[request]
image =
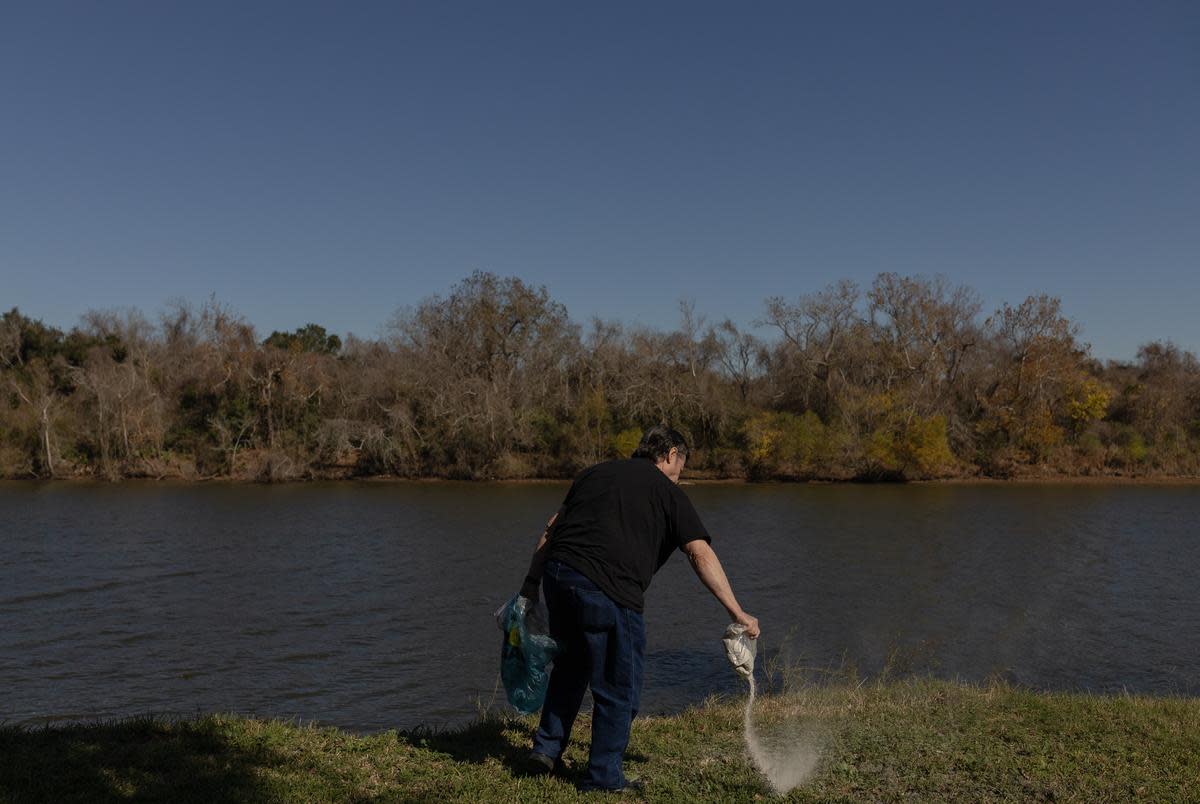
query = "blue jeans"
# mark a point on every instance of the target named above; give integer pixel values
(605, 647)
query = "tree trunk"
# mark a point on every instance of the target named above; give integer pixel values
(46, 438)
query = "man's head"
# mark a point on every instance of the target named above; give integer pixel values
(666, 448)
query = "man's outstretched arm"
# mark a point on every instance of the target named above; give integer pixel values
(712, 574)
(533, 578)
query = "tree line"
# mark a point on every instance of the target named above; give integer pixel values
(904, 379)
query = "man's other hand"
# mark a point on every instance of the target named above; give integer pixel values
(529, 589)
(751, 623)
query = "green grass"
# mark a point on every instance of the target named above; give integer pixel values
(918, 740)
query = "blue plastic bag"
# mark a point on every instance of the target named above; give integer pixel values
(525, 653)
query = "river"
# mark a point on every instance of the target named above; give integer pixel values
(369, 605)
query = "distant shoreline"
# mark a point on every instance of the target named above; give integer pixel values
(1115, 480)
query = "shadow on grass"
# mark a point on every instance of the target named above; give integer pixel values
(491, 737)
(145, 759)
(508, 741)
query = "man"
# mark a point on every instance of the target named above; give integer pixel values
(620, 522)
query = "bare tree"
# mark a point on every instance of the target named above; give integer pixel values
(1035, 358)
(921, 330)
(815, 331)
(740, 355)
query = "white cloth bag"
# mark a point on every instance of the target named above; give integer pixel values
(739, 649)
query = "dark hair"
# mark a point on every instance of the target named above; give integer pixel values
(657, 442)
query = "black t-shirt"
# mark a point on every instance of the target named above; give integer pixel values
(620, 522)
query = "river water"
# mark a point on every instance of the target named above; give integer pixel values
(369, 605)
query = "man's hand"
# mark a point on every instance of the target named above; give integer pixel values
(751, 623)
(533, 580)
(529, 589)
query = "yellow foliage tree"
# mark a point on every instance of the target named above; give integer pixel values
(924, 449)
(784, 443)
(1086, 403)
(626, 441)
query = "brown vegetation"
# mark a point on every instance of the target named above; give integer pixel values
(901, 380)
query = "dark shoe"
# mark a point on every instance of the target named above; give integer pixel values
(539, 764)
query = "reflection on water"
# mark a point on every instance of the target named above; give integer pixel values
(369, 605)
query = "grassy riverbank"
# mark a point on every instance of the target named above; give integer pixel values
(924, 740)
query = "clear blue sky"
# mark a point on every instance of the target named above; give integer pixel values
(332, 162)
